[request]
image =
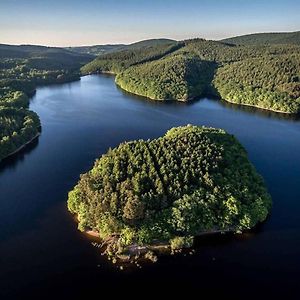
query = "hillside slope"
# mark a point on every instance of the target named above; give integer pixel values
(121, 60)
(105, 49)
(266, 38)
(264, 76)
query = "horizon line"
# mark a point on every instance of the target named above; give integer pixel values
(137, 41)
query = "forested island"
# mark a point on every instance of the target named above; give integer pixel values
(22, 69)
(191, 181)
(261, 70)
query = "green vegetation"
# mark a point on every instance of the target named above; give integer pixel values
(265, 76)
(22, 68)
(105, 49)
(266, 38)
(271, 82)
(119, 61)
(262, 71)
(176, 77)
(191, 180)
(97, 49)
(17, 127)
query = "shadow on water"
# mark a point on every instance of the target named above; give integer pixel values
(42, 251)
(258, 111)
(12, 161)
(219, 239)
(152, 102)
(236, 107)
(138, 98)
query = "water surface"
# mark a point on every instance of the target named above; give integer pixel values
(41, 251)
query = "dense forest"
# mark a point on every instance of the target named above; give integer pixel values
(179, 77)
(266, 38)
(265, 76)
(121, 60)
(109, 48)
(17, 127)
(191, 180)
(267, 82)
(22, 68)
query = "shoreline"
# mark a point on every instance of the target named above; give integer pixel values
(22, 146)
(30, 95)
(194, 98)
(259, 107)
(98, 73)
(92, 233)
(189, 99)
(154, 99)
(136, 252)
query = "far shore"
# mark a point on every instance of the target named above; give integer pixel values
(260, 107)
(190, 99)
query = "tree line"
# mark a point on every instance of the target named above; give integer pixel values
(266, 76)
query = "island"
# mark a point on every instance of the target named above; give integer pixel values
(148, 194)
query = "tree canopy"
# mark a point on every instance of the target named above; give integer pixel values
(191, 180)
(265, 76)
(266, 38)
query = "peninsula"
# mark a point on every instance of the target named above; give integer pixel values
(260, 70)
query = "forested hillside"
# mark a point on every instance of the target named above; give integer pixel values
(22, 68)
(105, 49)
(119, 61)
(191, 180)
(270, 82)
(179, 77)
(97, 49)
(265, 76)
(266, 38)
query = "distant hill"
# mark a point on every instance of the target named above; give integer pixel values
(97, 49)
(42, 57)
(105, 49)
(266, 38)
(140, 52)
(149, 43)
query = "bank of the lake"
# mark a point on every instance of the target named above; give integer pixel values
(213, 92)
(41, 250)
(23, 146)
(259, 107)
(31, 131)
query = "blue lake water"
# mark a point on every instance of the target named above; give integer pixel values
(41, 250)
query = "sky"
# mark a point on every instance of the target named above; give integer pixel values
(92, 22)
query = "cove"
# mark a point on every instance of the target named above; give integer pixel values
(41, 250)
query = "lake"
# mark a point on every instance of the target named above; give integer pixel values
(43, 253)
